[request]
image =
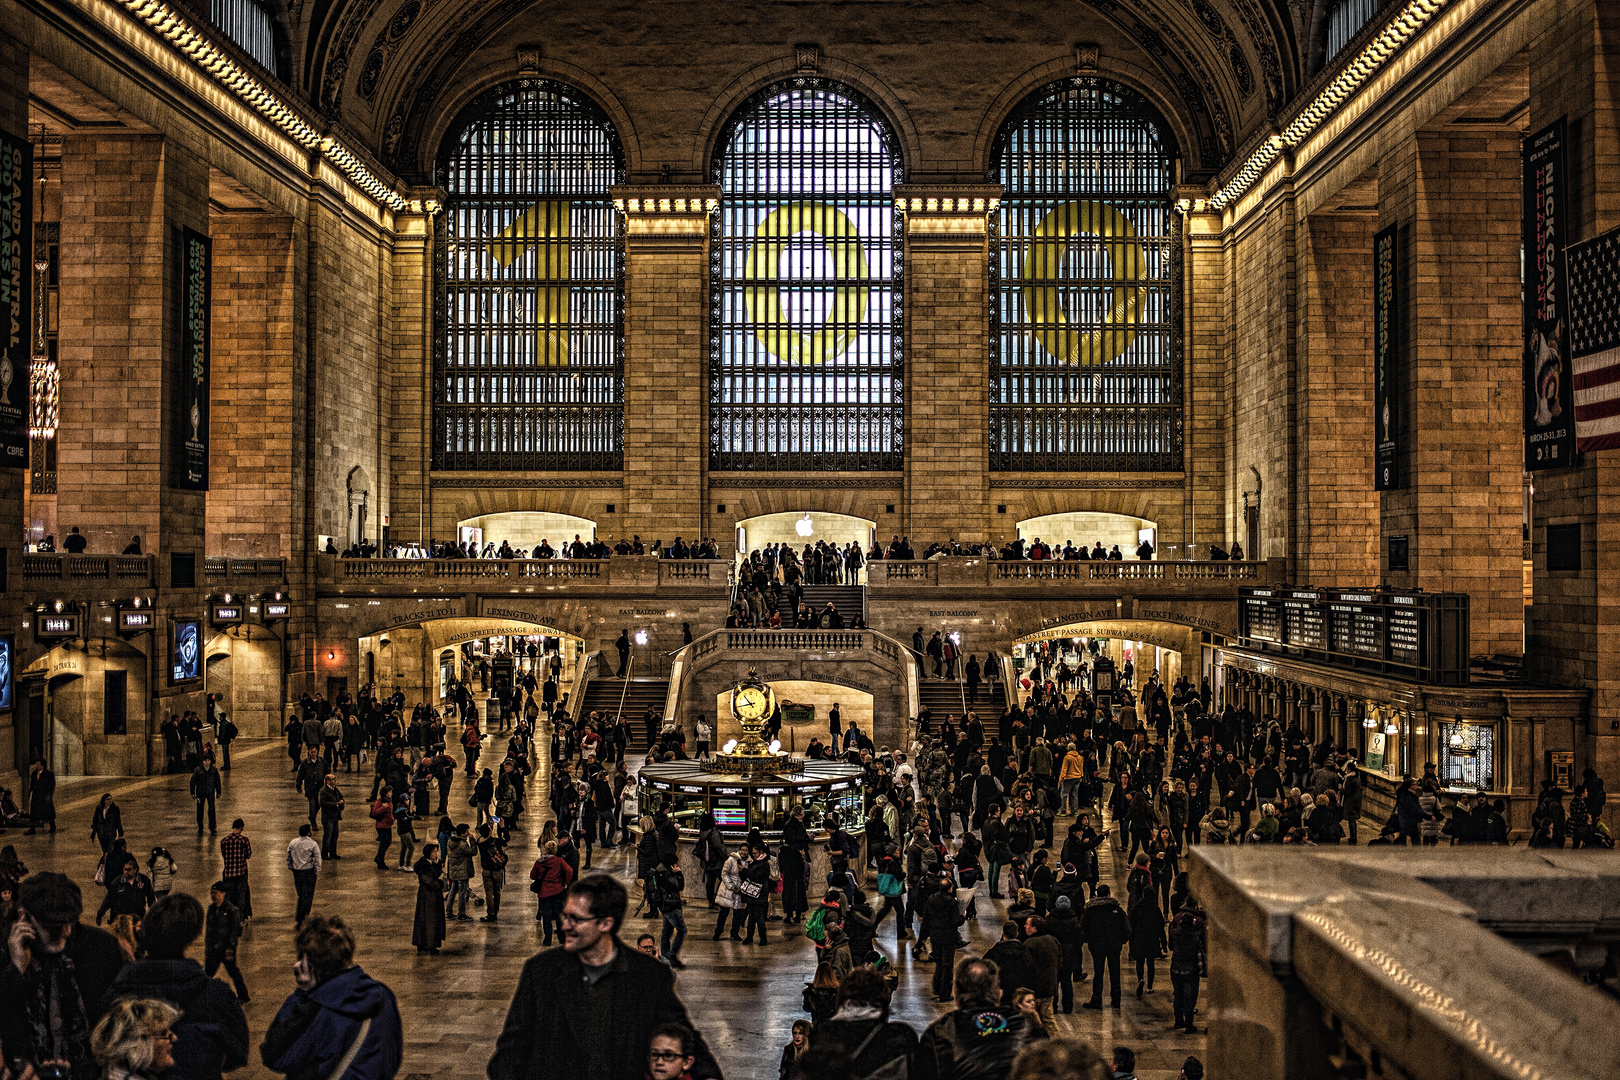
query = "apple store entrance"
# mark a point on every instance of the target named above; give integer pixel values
(801, 527)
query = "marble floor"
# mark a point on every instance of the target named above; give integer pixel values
(743, 999)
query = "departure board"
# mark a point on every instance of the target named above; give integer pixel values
(1423, 636)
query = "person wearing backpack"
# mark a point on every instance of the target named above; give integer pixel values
(891, 884)
(756, 885)
(667, 885)
(710, 852)
(878, 1048)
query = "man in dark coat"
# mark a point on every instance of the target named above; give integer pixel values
(588, 1010)
(978, 1039)
(940, 918)
(1012, 962)
(41, 797)
(55, 974)
(1106, 929)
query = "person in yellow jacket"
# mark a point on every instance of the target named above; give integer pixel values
(1070, 773)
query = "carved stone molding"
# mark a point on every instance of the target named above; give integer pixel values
(1086, 55)
(819, 482)
(1147, 483)
(528, 59)
(477, 482)
(807, 59)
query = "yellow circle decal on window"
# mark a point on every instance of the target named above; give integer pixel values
(1043, 262)
(763, 263)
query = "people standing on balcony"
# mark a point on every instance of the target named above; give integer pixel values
(74, 543)
(133, 547)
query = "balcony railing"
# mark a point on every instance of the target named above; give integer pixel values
(137, 570)
(967, 571)
(622, 570)
(245, 569)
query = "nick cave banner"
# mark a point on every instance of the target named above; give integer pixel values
(191, 384)
(16, 287)
(1549, 390)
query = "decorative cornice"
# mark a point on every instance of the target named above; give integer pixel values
(877, 480)
(1100, 483)
(665, 199)
(1355, 71)
(474, 483)
(169, 24)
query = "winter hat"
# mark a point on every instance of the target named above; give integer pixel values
(1062, 903)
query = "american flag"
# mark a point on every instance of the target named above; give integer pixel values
(1594, 287)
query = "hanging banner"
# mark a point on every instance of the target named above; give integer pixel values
(1594, 340)
(191, 382)
(1386, 320)
(1549, 388)
(16, 290)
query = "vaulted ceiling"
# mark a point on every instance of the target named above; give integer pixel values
(390, 71)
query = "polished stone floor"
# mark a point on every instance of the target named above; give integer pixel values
(744, 999)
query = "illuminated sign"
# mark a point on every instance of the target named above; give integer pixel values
(227, 614)
(277, 609)
(58, 626)
(136, 620)
(5, 672)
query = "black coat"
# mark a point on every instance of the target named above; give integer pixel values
(42, 797)
(1013, 963)
(895, 1041)
(1105, 926)
(428, 930)
(1064, 925)
(211, 1034)
(547, 1023)
(97, 959)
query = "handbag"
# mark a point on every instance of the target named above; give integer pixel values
(101, 871)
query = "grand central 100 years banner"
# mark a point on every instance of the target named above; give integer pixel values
(16, 281)
(1386, 325)
(191, 383)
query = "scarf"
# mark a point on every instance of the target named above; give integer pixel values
(57, 1024)
(853, 1011)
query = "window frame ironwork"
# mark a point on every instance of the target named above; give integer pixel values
(255, 36)
(1023, 435)
(806, 426)
(582, 436)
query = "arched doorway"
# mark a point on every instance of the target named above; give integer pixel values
(242, 669)
(422, 660)
(1090, 527)
(525, 529)
(801, 527)
(1153, 649)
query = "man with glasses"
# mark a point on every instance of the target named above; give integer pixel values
(589, 1010)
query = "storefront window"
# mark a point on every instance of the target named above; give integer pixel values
(1467, 755)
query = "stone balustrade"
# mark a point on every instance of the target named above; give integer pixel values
(133, 571)
(968, 571)
(624, 570)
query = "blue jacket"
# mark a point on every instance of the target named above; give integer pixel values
(314, 1028)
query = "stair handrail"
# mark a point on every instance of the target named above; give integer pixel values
(582, 679)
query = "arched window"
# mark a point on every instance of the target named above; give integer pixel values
(528, 371)
(1085, 341)
(806, 356)
(249, 24)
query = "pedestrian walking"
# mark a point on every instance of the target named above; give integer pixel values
(492, 865)
(304, 861)
(220, 938)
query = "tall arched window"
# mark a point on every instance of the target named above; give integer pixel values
(528, 371)
(1085, 339)
(805, 359)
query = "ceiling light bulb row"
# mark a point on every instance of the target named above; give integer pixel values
(175, 29)
(1354, 74)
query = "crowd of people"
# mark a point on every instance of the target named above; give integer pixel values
(578, 548)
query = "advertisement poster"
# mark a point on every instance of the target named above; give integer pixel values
(1386, 319)
(191, 383)
(5, 673)
(186, 654)
(16, 289)
(1549, 389)
(1375, 751)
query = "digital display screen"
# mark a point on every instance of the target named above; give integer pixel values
(276, 610)
(58, 625)
(227, 613)
(135, 620)
(5, 672)
(187, 650)
(731, 817)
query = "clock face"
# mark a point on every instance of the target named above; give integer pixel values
(750, 703)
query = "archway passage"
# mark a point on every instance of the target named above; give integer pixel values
(243, 672)
(1089, 527)
(1165, 649)
(525, 529)
(421, 660)
(800, 527)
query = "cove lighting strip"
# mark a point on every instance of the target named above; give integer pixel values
(173, 27)
(1400, 30)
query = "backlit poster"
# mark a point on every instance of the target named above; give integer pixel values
(5, 673)
(186, 652)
